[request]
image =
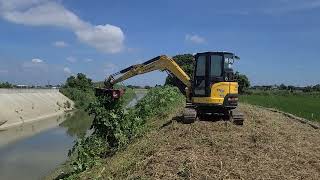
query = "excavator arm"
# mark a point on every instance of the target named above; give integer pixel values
(162, 63)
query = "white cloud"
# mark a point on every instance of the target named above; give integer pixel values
(71, 59)
(60, 44)
(106, 38)
(18, 4)
(36, 60)
(35, 64)
(67, 70)
(194, 38)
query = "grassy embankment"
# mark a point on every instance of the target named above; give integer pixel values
(115, 128)
(266, 147)
(301, 104)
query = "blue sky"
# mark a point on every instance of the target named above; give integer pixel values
(45, 41)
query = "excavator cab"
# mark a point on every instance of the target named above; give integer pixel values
(215, 90)
(212, 68)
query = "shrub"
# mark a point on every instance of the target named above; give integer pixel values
(79, 89)
(243, 82)
(81, 98)
(114, 127)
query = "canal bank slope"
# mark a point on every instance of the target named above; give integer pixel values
(18, 106)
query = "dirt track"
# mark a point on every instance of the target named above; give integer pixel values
(268, 146)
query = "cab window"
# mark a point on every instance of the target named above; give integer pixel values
(201, 66)
(216, 65)
(199, 79)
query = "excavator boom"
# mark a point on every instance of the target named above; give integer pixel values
(162, 63)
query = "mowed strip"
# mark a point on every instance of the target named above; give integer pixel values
(268, 146)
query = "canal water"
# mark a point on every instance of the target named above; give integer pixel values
(32, 151)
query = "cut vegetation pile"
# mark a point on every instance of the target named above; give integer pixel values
(268, 146)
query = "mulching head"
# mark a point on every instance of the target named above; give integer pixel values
(113, 93)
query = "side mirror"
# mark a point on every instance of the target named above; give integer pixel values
(237, 57)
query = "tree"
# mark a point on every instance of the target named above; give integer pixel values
(6, 85)
(283, 87)
(147, 87)
(316, 87)
(307, 89)
(80, 82)
(243, 82)
(80, 89)
(291, 88)
(186, 62)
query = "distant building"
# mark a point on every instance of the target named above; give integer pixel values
(22, 86)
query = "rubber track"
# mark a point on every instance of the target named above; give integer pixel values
(237, 116)
(189, 114)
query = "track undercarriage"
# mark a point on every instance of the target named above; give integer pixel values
(191, 113)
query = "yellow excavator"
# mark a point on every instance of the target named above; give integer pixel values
(212, 90)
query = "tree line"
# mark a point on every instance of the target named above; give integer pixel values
(314, 88)
(6, 85)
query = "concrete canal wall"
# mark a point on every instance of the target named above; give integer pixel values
(18, 106)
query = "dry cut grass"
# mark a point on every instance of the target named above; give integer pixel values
(268, 146)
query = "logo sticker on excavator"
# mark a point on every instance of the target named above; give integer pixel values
(220, 90)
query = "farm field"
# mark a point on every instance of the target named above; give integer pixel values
(300, 104)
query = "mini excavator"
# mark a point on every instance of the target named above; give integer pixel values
(212, 90)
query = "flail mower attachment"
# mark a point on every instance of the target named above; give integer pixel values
(115, 94)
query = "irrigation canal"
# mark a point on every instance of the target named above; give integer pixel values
(33, 150)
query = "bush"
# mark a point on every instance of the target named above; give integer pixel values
(118, 126)
(88, 152)
(81, 98)
(79, 89)
(158, 101)
(114, 127)
(243, 82)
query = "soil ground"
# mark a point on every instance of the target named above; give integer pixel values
(268, 146)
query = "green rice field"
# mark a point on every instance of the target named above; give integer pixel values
(302, 105)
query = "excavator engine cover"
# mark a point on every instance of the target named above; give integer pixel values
(113, 93)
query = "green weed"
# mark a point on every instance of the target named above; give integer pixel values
(114, 127)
